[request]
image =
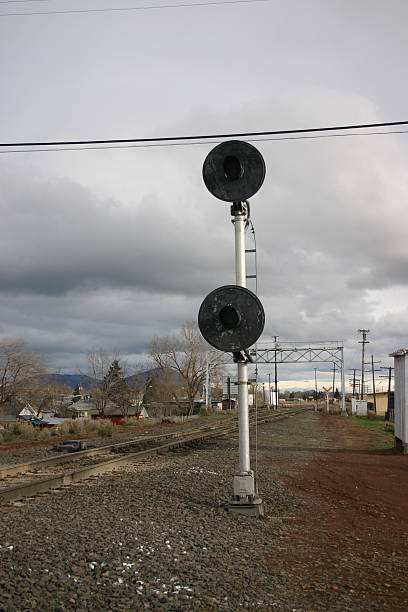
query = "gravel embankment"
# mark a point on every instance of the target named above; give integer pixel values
(153, 535)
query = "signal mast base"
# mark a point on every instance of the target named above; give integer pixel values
(245, 499)
(255, 508)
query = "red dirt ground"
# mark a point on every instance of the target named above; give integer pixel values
(348, 543)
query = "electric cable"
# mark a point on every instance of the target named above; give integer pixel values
(206, 137)
(188, 144)
(119, 9)
(21, 1)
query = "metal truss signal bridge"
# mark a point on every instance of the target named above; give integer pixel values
(328, 351)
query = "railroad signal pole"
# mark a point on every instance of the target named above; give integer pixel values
(363, 342)
(315, 370)
(276, 375)
(239, 214)
(231, 318)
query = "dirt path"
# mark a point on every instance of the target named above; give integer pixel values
(348, 542)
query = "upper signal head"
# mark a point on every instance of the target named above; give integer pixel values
(234, 171)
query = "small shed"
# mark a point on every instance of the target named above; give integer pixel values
(381, 401)
(27, 413)
(229, 404)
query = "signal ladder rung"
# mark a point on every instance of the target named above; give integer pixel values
(250, 276)
(250, 250)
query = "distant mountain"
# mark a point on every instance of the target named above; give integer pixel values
(140, 377)
(85, 381)
(72, 380)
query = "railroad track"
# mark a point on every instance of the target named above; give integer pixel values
(31, 478)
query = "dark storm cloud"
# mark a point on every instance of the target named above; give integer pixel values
(88, 270)
(109, 248)
(59, 237)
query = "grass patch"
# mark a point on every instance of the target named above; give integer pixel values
(383, 431)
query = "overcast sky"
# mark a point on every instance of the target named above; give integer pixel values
(107, 248)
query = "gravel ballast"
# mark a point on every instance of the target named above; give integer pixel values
(156, 535)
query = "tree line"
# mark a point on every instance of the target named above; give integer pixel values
(177, 367)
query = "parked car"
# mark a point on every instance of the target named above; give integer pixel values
(71, 446)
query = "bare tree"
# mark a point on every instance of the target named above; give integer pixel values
(188, 355)
(98, 363)
(163, 387)
(21, 373)
(54, 395)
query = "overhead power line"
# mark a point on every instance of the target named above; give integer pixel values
(118, 9)
(20, 1)
(192, 143)
(204, 137)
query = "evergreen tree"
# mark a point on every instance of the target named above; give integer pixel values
(77, 393)
(116, 387)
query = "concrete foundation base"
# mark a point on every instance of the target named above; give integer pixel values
(254, 508)
(401, 446)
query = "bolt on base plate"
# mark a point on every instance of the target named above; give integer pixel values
(254, 507)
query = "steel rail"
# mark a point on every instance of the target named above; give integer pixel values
(31, 488)
(26, 466)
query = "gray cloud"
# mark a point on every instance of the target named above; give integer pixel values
(107, 248)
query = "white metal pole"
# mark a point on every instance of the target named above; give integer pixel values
(343, 386)
(243, 416)
(207, 380)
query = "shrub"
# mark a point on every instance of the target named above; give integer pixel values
(23, 430)
(104, 428)
(46, 433)
(130, 421)
(72, 426)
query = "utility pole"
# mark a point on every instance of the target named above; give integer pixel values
(334, 377)
(315, 370)
(389, 376)
(372, 370)
(354, 370)
(363, 342)
(372, 362)
(270, 393)
(276, 375)
(208, 382)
